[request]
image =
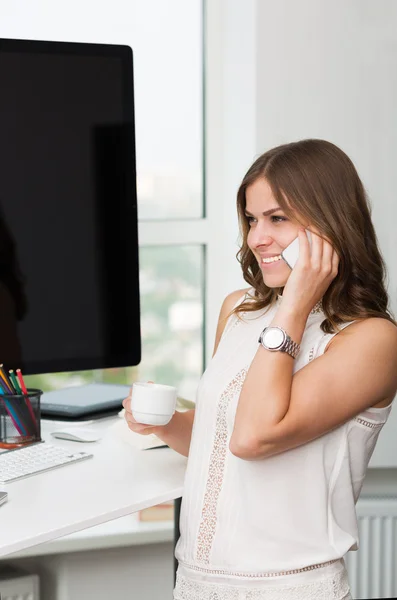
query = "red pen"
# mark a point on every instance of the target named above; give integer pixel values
(21, 381)
(25, 391)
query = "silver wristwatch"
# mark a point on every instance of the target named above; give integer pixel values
(277, 339)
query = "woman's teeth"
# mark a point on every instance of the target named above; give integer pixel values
(271, 259)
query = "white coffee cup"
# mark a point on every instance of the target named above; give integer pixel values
(153, 403)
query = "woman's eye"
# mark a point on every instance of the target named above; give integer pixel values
(273, 218)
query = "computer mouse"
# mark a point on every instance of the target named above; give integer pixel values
(77, 434)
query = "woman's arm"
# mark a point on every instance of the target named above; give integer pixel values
(177, 434)
(277, 412)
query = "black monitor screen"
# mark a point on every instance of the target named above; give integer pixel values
(69, 293)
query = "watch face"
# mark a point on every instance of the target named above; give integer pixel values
(273, 338)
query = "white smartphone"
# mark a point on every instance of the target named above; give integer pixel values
(290, 254)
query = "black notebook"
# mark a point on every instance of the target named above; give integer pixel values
(92, 400)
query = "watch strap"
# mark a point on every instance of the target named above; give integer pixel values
(291, 347)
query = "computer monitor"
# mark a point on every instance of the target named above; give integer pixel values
(69, 291)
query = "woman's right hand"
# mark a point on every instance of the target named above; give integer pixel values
(132, 423)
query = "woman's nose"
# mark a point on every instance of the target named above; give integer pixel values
(261, 237)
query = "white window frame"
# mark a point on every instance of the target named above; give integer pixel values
(230, 117)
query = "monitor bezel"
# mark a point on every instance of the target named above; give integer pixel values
(125, 54)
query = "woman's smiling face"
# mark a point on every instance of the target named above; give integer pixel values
(271, 231)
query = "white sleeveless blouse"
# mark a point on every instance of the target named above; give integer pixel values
(246, 523)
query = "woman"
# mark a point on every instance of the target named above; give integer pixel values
(280, 440)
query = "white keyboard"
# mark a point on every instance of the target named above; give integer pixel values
(36, 458)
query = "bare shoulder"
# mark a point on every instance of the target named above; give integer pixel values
(373, 330)
(232, 298)
(374, 341)
(229, 302)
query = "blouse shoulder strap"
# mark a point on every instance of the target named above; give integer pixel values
(327, 337)
(234, 318)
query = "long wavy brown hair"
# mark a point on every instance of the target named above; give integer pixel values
(313, 181)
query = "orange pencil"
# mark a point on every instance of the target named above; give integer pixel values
(6, 379)
(6, 384)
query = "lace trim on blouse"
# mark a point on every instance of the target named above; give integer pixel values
(260, 575)
(368, 423)
(335, 587)
(216, 469)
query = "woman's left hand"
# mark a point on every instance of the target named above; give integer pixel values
(313, 273)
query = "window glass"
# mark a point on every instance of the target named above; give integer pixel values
(166, 38)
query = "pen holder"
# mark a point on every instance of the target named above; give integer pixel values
(20, 419)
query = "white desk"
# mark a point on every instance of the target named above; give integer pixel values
(117, 481)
